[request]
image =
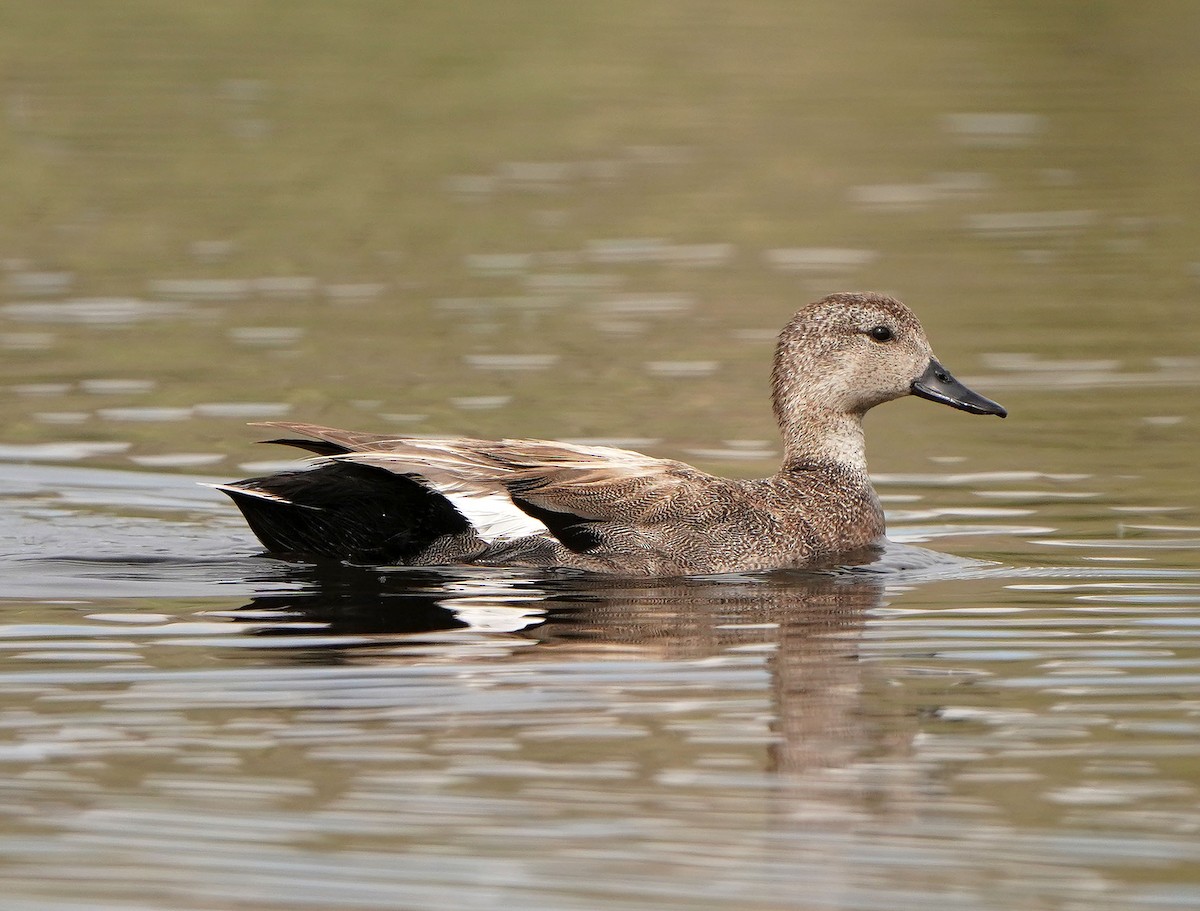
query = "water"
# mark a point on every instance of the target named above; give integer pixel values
(588, 225)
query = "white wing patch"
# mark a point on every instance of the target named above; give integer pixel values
(493, 515)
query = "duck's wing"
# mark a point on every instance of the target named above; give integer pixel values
(560, 485)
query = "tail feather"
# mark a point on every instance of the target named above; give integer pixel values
(319, 447)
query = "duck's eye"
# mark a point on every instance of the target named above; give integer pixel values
(881, 334)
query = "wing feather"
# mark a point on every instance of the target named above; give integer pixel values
(592, 483)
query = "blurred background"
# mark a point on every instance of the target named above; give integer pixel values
(584, 220)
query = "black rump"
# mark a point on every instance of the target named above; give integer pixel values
(346, 511)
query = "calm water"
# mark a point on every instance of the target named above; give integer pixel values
(589, 224)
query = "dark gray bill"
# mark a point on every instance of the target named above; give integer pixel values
(937, 385)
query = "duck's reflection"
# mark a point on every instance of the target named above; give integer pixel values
(808, 625)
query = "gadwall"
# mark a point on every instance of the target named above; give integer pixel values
(377, 499)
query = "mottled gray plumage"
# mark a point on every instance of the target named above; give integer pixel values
(374, 498)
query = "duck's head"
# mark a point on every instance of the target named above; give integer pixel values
(847, 353)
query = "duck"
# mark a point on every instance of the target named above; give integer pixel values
(379, 499)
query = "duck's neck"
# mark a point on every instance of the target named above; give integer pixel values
(814, 436)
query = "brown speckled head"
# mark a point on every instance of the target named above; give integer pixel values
(840, 357)
(847, 353)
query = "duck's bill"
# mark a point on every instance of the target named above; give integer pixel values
(937, 385)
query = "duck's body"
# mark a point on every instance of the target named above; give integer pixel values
(376, 499)
(536, 503)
